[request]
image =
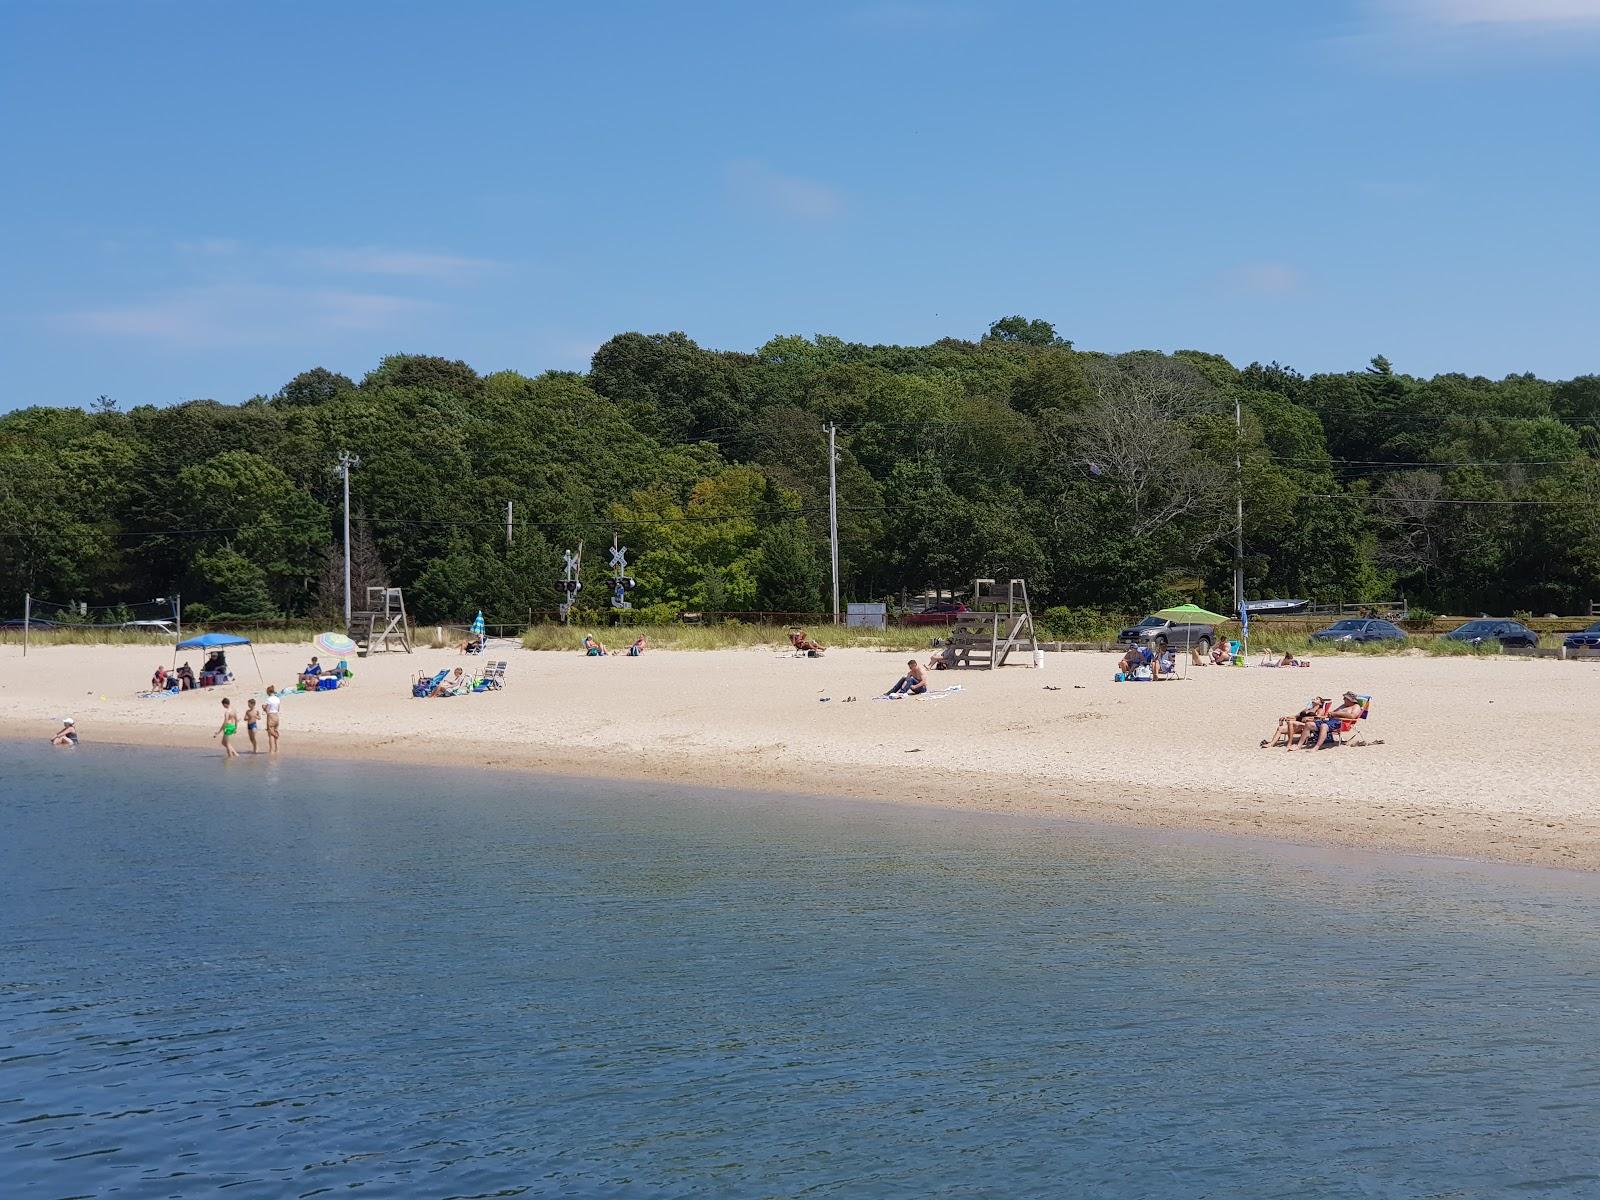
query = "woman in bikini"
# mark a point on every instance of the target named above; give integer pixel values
(227, 729)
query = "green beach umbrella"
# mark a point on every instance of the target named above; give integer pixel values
(1191, 614)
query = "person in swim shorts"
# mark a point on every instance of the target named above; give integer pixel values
(229, 727)
(252, 718)
(270, 707)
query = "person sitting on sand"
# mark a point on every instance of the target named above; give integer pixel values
(806, 644)
(638, 647)
(912, 683)
(941, 660)
(455, 684)
(158, 681)
(592, 647)
(1130, 662)
(1221, 654)
(312, 675)
(67, 735)
(1290, 728)
(185, 678)
(1324, 731)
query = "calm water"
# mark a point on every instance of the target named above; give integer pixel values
(297, 979)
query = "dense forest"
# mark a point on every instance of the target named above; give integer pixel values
(1108, 481)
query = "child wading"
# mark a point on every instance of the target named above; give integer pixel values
(252, 717)
(227, 729)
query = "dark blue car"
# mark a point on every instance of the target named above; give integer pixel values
(1490, 629)
(1588, 639)
(1360, 629)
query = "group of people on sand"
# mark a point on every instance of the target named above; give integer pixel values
(594, 649)
(1319, 724)
(254, 717)
(1142, 663)
(163, 679)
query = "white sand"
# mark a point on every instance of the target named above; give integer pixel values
(1492, 758)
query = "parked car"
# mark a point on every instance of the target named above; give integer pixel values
(936, 614)
(1356, 629)
(1159, 632)
(161, 627)
(33, 623)
(1587, 639)
(1507, 633)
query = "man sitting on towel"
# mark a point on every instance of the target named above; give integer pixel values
(913, 683)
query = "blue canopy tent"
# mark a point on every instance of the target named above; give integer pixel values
(217, 641)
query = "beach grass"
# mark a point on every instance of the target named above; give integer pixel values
(724, 636)
(102, 635)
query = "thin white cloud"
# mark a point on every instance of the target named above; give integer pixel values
(243, 314)
(415, 264)
(1265, 278)
(1522, 14)
(756, 185)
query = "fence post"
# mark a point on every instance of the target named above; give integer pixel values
(27, 615)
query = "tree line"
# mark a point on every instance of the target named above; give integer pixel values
(1108, 481)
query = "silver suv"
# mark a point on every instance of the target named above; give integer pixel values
(1159, 632)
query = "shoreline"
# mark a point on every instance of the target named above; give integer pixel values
(1517, 841)
(1513, 783)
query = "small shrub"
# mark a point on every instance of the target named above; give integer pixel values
(1080, 624)
(1420, 618)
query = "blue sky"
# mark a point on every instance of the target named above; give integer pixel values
(204, 199)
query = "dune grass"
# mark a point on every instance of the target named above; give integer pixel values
(101, 635)
(725, 636)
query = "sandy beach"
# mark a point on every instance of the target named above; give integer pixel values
(1483, 757)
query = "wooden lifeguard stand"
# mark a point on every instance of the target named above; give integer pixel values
(1000, 621)
(382, 625)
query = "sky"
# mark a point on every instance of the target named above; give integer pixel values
(204, 199)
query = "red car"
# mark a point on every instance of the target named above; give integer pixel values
(936, 614)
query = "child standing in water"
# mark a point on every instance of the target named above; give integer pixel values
(227, 729)
(271, 708)
(252, 716)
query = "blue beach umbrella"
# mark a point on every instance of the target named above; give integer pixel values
(477, 624)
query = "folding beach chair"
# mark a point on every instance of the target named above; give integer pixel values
(422, 686)
(494, 677)
(1347, 729)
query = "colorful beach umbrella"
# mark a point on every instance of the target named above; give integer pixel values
(333, 643)
(477, 624)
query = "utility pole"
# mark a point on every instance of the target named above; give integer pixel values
(833, 515)
(1238, 495)
(508, 524)
(346, 461)
(27, 618)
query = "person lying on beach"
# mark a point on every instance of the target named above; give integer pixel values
(592, 647)
(67, 735)
(1290, 728)
(1324, 730)
(639, 646)
(912, 683)
(806, 644)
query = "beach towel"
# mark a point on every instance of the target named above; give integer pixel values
(941, 694)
